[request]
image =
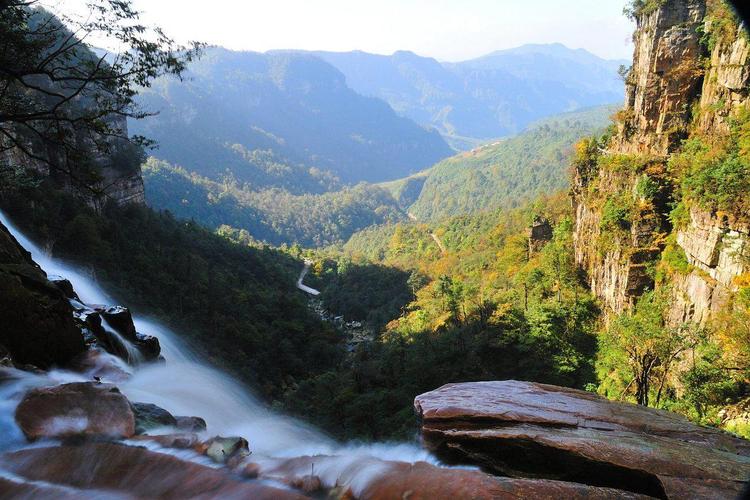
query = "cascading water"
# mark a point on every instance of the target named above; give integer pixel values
(185, 386)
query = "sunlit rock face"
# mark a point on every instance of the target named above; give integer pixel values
(716, 247)
(678, 84)
(524, 429)
(665, 75)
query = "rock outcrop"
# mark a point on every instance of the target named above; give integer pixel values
(79, 408)
(539, 233)
(690, 74)
(370, 478)
(716, 248)
(666, 74)
(36, 318)
(524, 429)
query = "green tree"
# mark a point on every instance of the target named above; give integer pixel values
(61, 104)
(639, 349)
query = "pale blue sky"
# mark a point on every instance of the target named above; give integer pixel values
(445, 29)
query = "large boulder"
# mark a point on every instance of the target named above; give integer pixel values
(37, 319)
(111, 328)
(120, 319)
(525, 429)
(134, 472)
(80, 408)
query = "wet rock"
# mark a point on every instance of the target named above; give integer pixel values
(132, 471)
(340, 493)
(190, 424)
(149, 416)
(225, 450)
(81, 408)
(372, 478)
(250, 470)
(120, 319)
(36, 318)
(422, 481)
(65, 286)
(535, 430)
(181, 441)
(17, 488)
(148, 346)
(6, 360)
(307, 484)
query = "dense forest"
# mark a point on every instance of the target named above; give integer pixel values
(272, 215)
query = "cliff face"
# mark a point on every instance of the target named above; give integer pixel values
(716, 249)
(690, 75)
(118, 183)
(665, 76)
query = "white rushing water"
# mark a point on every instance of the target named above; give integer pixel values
(185, 386)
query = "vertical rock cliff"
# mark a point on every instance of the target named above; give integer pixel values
(119, 181)
(690, 77)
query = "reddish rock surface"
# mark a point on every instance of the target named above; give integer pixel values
(18, 489)
(422, 481)
(180, 441)
(87, 408)
(134, 471)
(524, 429)
(368, 478)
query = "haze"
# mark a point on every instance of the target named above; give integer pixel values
(445, 29)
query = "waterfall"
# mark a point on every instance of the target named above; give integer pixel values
(183, 385)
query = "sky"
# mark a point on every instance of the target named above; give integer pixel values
(448, 30)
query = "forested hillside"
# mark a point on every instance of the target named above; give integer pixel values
(272, 215)
(490, 307)
(280, 120)
(236, 304)
(510, 172)
(492, 96)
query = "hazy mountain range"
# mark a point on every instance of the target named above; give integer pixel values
(275, 143)
(295, 108)
(492, 96)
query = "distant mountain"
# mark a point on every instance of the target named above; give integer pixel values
(492, 96)
(504, 174)
(284, 120)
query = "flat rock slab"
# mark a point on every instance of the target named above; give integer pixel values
(80, 408)
(524, 429)
(131, 471)
(369, 478)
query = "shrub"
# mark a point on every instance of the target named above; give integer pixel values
(616, 214)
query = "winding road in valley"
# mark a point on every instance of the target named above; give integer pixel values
(435, 237)
(302, 275)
